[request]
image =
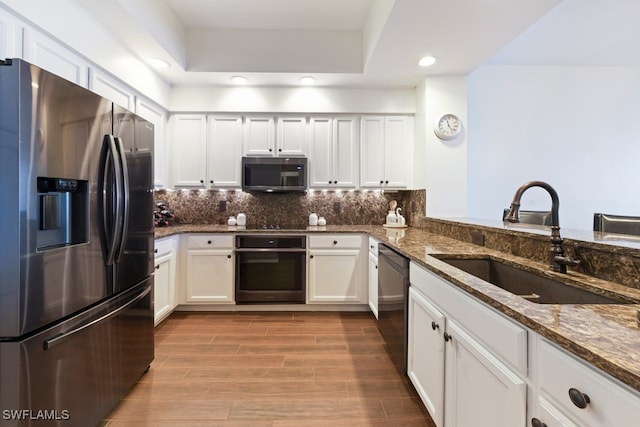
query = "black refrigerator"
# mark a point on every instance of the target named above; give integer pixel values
(76, 250)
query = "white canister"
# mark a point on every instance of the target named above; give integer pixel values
(322, 221)
(392, 218)
(231, 221)
(242, 219)
(313, 219)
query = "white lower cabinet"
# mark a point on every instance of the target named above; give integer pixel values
(479, 388)
(373, 283)
(572, 393)
(552, 416)
(209, 269)
(425, 364)
(472, 366)
(164, 281)
(337, 269)
(467, 362)
(373, 276)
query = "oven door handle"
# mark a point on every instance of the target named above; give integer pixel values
(288, 250)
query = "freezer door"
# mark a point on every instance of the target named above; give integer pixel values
(75, 373)
(135, 260)
(51, 255)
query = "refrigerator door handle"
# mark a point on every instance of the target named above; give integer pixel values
(112, 232)
(124, 197)
(60, 338)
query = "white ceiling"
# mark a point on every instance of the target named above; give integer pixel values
(372, 43)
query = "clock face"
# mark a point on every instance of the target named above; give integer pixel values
(447, 126)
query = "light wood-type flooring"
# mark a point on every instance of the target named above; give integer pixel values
(270, 369)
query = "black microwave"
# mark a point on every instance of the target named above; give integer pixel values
(274, 174)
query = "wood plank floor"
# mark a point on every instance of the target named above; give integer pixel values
(270, 369)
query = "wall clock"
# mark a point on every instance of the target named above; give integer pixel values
(447, 126)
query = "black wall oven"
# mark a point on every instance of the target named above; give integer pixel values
(270, 268)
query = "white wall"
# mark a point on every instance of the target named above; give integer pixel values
(441, 167)
(576, 128)
(293, 100)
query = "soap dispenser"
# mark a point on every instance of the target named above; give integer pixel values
(313, 219)
(241, 219)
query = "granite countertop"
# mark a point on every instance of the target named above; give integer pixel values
(607, 335)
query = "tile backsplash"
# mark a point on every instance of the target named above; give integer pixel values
(291, 210)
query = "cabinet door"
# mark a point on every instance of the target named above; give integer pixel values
(480, 390)
(163, 288)
(373, 284)
(259, 136)
(321, 152)
(610, 404)
(372, 151)
(345, 152)
(112, 89)
(210, 276)
(224, 148)
(291, 136)
(395, 151)
(44, 52)
(10, 36)
(189, 140)
(426, 358)
(334, 276)
(551, 416)
(157, 116)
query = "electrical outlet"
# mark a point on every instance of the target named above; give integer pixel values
(222, 205)
(336, 207)
(477, 238)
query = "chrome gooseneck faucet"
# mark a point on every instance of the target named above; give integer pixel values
(557, 261)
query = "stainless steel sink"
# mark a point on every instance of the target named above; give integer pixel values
(530, 286)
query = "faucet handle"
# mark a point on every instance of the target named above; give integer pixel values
(565, 260)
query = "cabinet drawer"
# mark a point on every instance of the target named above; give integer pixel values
(610, 403)
(335, 241)
(504, 337)
(209, 241)
(163, 246)
(373, 246)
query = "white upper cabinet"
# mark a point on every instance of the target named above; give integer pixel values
(268, 136)
(291, 136)
(44, 52)
(372, 151)
(112, 89)
(158, 117)
(333, 148)
(189, 146)
(259, 136)
(10, 36)
(397, 133)
(224, 150)
(207, 150)
(385, 151)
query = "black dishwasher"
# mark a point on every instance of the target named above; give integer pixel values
(393, 290)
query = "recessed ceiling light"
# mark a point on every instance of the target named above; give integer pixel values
(158, 63)
(307, 80)
(239, 80)
(427, 61)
